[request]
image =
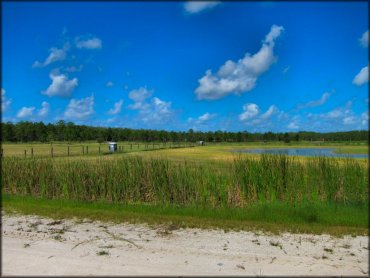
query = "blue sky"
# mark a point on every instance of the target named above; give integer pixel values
(233, 66)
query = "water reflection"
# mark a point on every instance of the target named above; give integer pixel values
(303, 152)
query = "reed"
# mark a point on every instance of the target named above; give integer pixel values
(243, 182)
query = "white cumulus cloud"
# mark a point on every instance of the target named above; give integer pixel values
(250, 111)
(193, 7)
(139, 95)
(314, 103)
(5, 102)
(117, 108)
(25, 112)
(206, 117)
(152, 110)
(80, 109)
(365, 118)
(364, 40)
(56, 54)
(160, 111)
(44, 110)
(349, 120)
(362, 77)
(60, 86)
(88, 43)
(202, 121)
(241, 76)
(271, 111)
(293, 125)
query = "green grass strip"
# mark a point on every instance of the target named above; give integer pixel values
(318, 218)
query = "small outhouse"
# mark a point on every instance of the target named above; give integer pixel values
(112, 146)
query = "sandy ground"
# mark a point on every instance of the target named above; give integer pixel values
(33, 245)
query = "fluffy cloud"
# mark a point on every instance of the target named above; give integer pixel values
(60, 86)
(349, 120)
(60, 54)
(139, 96)
(206, 117)
(201, 122)
(340, 118)
(88, 43)
(365, 118)
(116, 109)
(271, 111)
(364, 40)
(193, 7)
(74, 68)
(25, 112)
(362, 77)
(241, 76)
(80, 109)
(250, 111)
(28, 112)
(151, 110)
(315, 103)
(56, 54)
(5, 102)
(44, 110)
(202, 119)
(293, 125)
(161, 111)
(253, 117)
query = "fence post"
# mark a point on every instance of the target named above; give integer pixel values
(99, 149)
(31, 152)
(52, 155)
(25, 153)
(131, 147)
(83, 150)
(2, 150)
(87, 149)
(68, 150)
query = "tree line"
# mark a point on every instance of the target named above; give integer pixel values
(25, 131)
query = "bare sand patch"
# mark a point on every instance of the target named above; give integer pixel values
(34, 245)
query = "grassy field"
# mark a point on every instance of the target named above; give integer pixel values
(320, 218)
(172, 151)
(194, 185)
(63, 149)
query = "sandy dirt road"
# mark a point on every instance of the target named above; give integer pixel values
(33, 245)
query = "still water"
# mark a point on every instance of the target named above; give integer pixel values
(303, 152)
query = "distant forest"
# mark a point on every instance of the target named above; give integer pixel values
(62, 131)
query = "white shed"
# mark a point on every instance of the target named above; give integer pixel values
(112, 146)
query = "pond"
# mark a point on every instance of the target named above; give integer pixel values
(329, 152)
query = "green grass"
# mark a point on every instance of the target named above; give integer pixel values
(197, 187)
(212, 151)
(352, 150)
(239, 183)
(275, 217)
(82, 149)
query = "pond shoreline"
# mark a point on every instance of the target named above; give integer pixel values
(302, 151)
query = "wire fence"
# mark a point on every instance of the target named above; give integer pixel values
(65, 150)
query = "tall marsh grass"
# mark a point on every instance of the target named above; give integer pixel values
(244, 181)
